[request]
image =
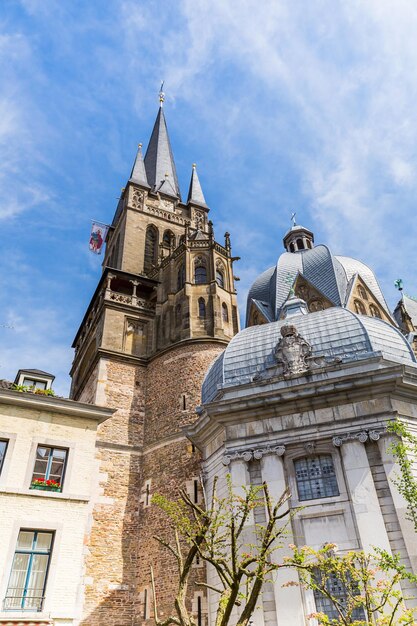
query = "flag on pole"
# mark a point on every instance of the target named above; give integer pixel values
(98, 236)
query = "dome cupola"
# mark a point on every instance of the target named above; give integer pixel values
(298, 238)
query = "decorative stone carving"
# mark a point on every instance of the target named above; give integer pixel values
(310, 447)
(137, 198)
(249, 455)
(292, 351)
(199, 220)
(167, 205)
(361, 436)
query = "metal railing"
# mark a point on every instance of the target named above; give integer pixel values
(25, 602)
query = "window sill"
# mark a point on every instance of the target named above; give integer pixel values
(39, 493)
(25, 616)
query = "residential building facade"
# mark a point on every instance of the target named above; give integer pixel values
(48, 475)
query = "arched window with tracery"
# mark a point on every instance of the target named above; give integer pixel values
(201, 308)
(200, 271)
(225, 312)
(220, 277)
(359, 307)
(375, 312)
(168, 238)
(362, 293)
(181, 277)
(151, 248)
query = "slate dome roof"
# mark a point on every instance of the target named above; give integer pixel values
(330, 274)
(334, 332)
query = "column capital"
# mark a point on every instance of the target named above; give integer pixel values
(361, 435)
(255, 454)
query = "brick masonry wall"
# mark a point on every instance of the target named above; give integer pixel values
(110, 569)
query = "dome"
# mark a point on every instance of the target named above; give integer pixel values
(335, 332)
(329, 274)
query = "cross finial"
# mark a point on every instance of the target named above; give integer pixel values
(294, 223)
(161, 94)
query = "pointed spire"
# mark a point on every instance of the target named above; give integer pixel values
(195, 193)
(138, 174)
(159, 160)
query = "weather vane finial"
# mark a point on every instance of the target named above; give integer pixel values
(161, 94)
(294, 223)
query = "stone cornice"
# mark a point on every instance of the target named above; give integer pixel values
(50, 404)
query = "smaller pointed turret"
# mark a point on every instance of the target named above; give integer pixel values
(195, 193)
(138, 173)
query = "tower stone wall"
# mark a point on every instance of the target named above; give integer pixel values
(164, 308)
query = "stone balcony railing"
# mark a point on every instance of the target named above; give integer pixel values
(131, 300)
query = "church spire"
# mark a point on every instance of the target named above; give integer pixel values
(138, 174)
(159, 160)
(195, 193)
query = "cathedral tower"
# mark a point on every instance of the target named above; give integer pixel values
(164, 308)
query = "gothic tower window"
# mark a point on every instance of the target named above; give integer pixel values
(181, 277)
(362, 293)
(151, 248)
(168, 238)
(374, 311)
(220, 278)
(200, 272)
(178, 314)
(360, 307)
(225, 312)
(201, 308)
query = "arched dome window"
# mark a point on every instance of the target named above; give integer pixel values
(225, 312)
(151, 248)
(292, 248)
(362, 293)
(316, 305)
(359, 307)
(201, 308)
(181, 277)
(375, 312)
(300, 244)
(220, 278)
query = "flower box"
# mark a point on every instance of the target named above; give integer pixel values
(45, 485)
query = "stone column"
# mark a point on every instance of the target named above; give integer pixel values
(240, 478)
(288, 600)
(135, 284)
(366, 507)
(392, 470)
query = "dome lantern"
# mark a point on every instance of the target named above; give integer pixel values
(298, 238)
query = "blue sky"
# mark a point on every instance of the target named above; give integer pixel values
(284, 105)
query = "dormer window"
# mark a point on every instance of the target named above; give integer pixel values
(34, 379)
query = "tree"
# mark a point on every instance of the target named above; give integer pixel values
(357, 588)
(405, 452)
(224, 535)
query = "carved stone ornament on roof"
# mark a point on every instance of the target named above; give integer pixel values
(363, 436)
(250, 455)
(292, 351)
